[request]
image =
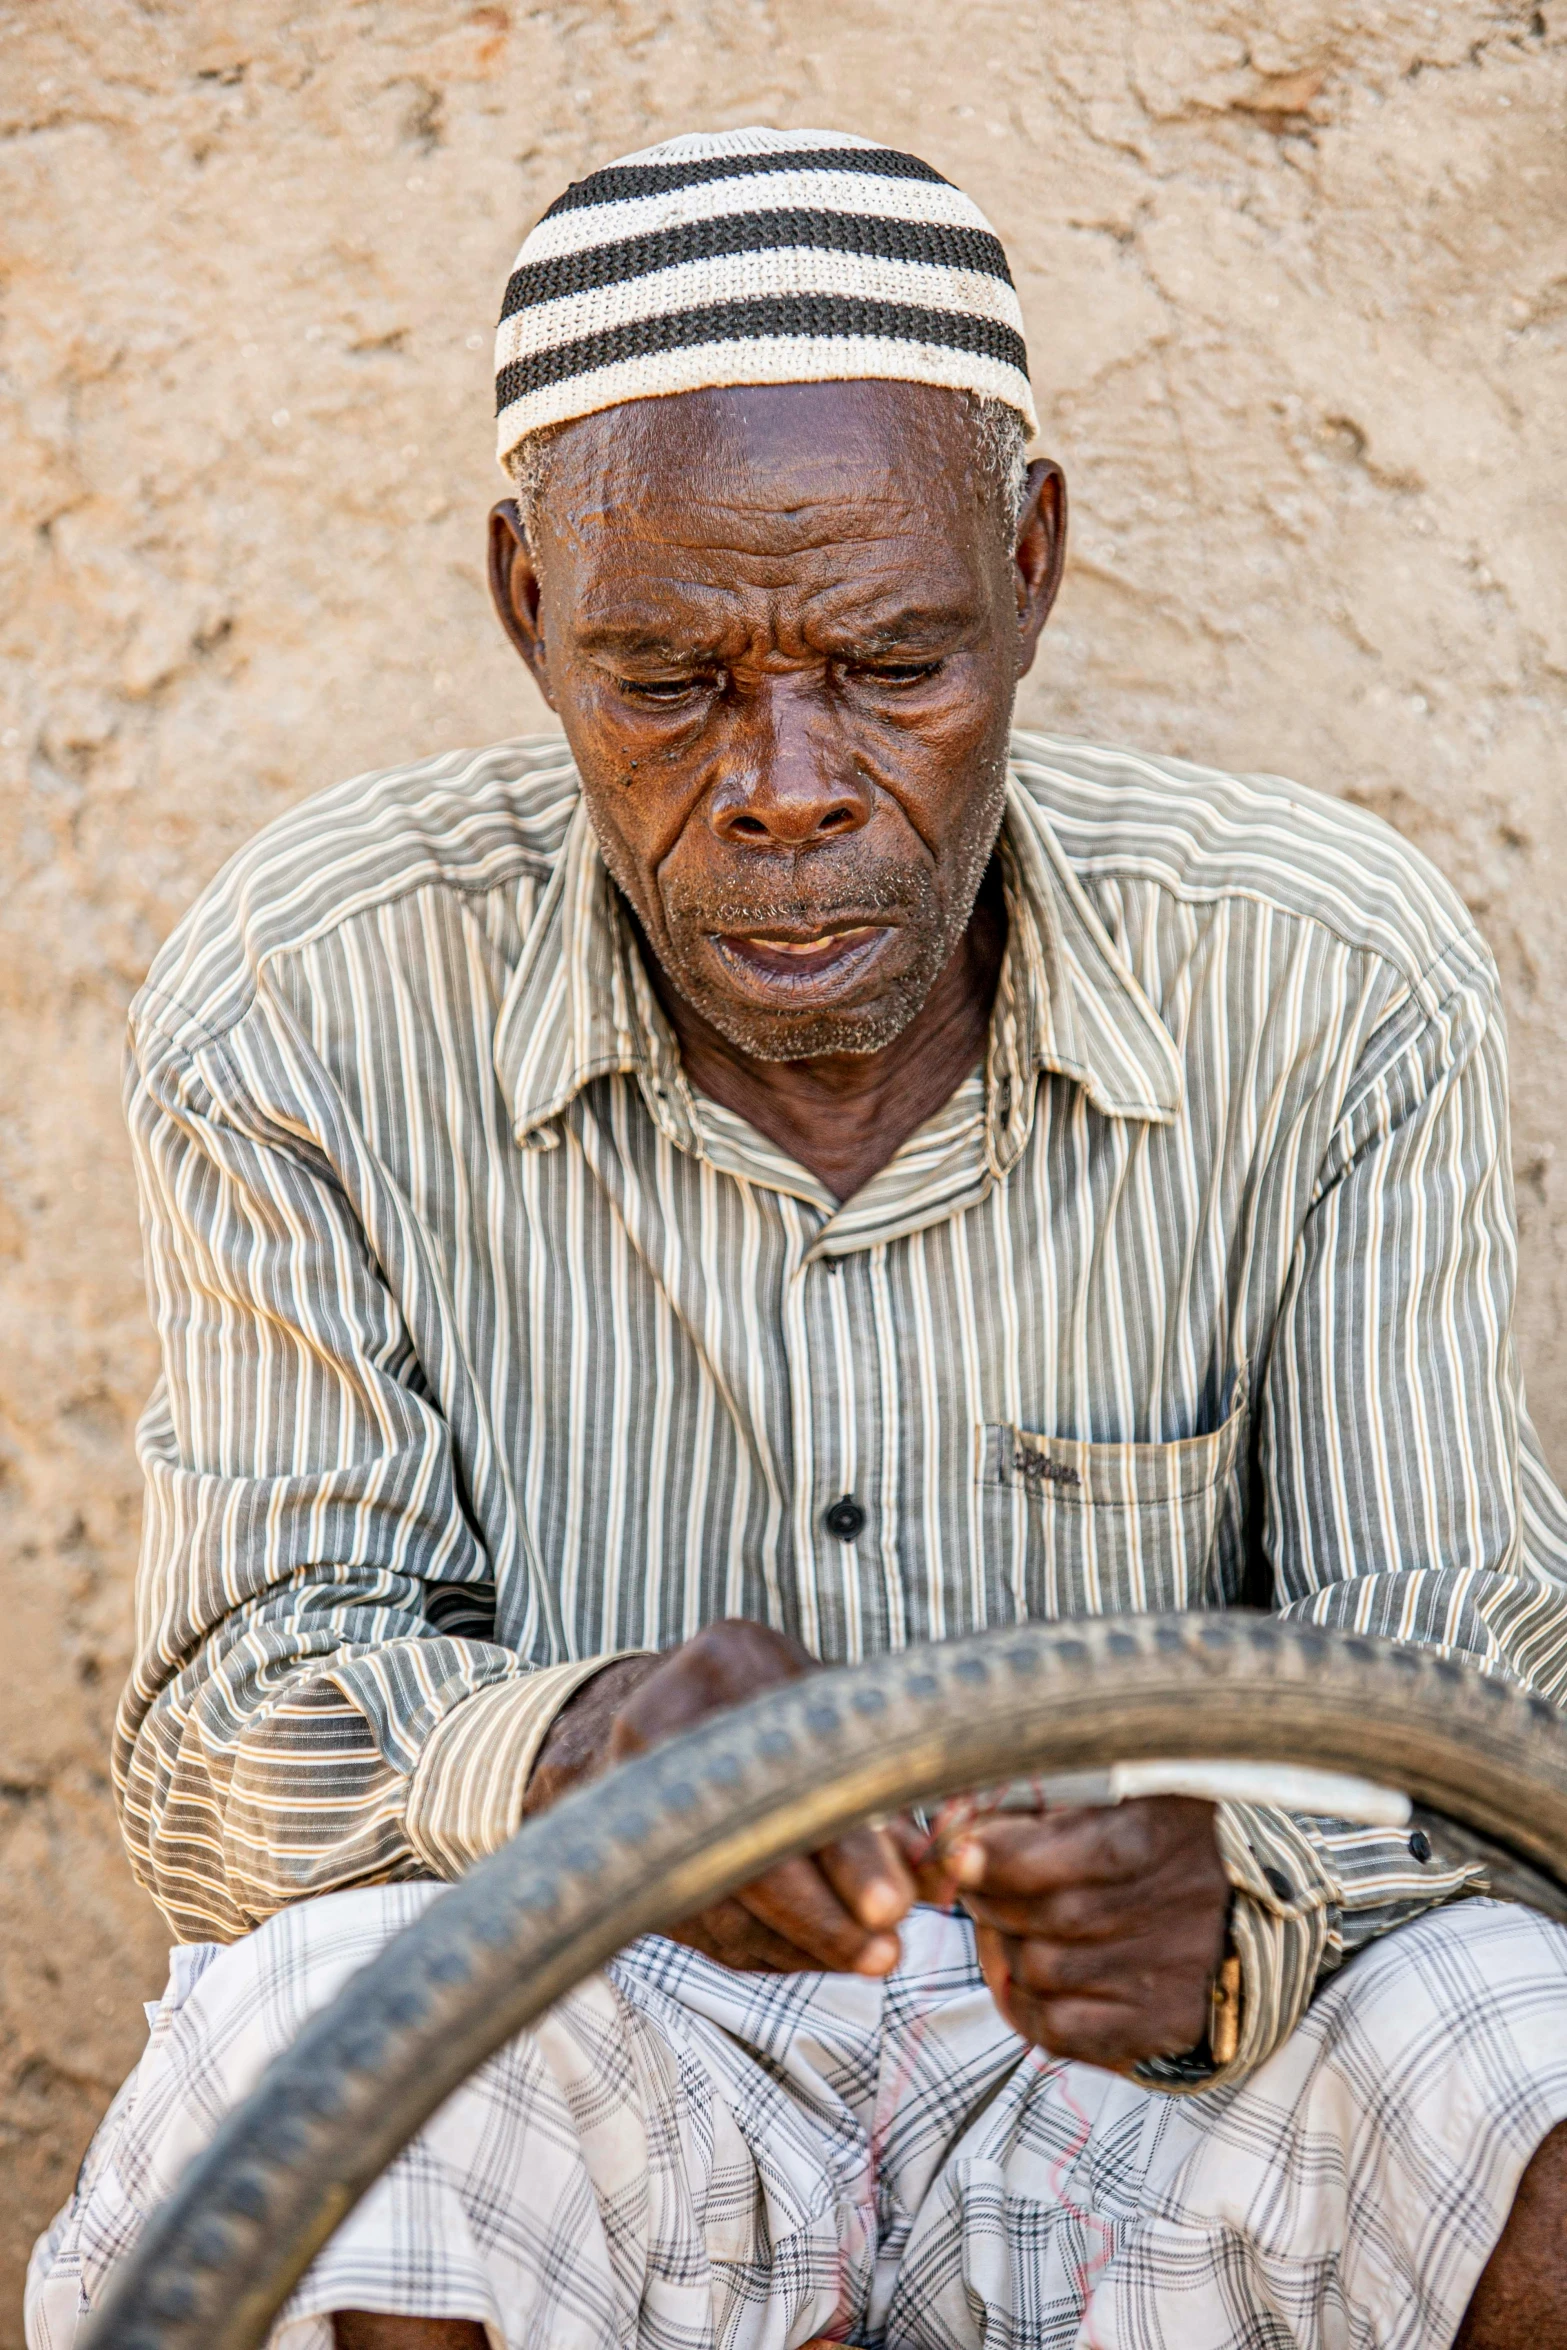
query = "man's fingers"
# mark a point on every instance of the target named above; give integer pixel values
(835, 1911)
(866, 1871)
(728, 1932)
(720, 1666)
(1138, 1970)
(1081, 1913)
(1098, 1931)
(1105, 2032)
(1025, 1856)
(1034, 1853)
(796, 1900)
(1103, 2007)
(927, 1856)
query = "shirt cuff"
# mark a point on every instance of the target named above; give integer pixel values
(465, 1797)
(1285, 1908)
(1282, 1913)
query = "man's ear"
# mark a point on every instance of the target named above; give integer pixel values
(1040, 556)
(515, 591)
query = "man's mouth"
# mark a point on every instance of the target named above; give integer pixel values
(798, 954)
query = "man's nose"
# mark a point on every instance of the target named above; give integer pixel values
(793, 783)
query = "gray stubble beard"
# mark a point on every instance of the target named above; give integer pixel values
(867, 1028)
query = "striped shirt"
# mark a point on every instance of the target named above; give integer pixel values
(491, 1348)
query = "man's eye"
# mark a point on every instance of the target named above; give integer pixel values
(660, 689)
(899, 672)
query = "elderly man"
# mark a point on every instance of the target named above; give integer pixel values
(787, 1171)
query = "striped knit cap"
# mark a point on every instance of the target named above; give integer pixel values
(754, 256)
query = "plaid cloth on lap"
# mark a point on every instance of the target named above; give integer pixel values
(682, 2158)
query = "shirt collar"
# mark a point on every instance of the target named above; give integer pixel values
(579, 1004)
(1067, 999)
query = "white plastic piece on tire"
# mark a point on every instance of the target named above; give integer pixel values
(1336, 1795)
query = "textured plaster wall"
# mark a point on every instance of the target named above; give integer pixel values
(1296, 282)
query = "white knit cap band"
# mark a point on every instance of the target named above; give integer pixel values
(754, 256)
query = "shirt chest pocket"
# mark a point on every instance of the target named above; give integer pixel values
(1108, 1529)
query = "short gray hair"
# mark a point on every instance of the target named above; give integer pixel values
(1000, 439)
(1002, 444)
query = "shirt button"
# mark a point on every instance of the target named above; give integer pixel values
(845, 1518)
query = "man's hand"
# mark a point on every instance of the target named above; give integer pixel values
(836, 1909)
(1099, 1931)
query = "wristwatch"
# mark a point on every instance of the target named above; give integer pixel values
(1224, 2011)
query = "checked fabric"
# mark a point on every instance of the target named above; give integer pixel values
(683, 2158)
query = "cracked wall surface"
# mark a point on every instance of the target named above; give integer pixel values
(1295, 276)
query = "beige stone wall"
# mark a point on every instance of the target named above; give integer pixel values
(1296, 282)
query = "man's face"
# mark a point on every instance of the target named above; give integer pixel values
(783, 629)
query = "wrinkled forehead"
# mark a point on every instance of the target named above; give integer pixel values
(787, 510)
(790, 454)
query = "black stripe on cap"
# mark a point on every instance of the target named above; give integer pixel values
(765, 318)
(617, 181)
(872, 234)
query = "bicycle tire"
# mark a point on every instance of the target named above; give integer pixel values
(679, 1827)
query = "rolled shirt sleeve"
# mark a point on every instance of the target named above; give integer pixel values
(467, 1790)
(1405, 1494)
(314, 1644)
